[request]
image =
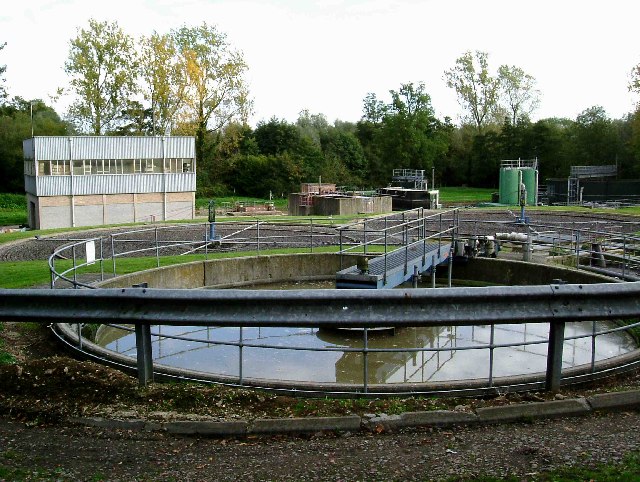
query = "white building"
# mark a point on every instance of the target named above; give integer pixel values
(92, 180)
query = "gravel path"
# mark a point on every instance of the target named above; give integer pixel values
(516, 450)
(483, 222)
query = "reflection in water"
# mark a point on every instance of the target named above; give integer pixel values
(410, 355)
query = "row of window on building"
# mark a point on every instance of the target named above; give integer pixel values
(86, 167)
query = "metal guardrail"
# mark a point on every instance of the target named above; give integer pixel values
(555, 304)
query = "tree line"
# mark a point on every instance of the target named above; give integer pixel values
(190, 81)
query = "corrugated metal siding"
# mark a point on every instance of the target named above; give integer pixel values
(27, 148)
(108, 147)
(30, 184)
(113, 184)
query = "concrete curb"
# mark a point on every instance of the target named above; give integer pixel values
(377, 422)
(615, 400)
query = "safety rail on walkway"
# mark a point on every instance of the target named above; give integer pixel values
(555, 304)
(403, 245)
(611, 253)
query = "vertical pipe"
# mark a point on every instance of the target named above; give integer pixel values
(414, 279)
(554, 356)
(311, 237)
(450, 266)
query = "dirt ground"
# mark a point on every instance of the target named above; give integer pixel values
(44, 387)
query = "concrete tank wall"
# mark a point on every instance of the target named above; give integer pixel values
(231, 272)
(514, 273)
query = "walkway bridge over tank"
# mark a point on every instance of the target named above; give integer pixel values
(396, 248)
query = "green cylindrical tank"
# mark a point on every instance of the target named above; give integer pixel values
(530, 180)
(509, 186)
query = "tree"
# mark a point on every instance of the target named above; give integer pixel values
(518, 92)
(3, 69)
(476, 88)
(312, 125)
(216, 91)
(103, 66)
(402, 134)
(17, 118)
(277, 136)
(596, 140)
(634, 84)
(135, 120)
(165, 80)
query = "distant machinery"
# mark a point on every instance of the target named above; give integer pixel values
(323, 199)
(409, 190)
(593, 184)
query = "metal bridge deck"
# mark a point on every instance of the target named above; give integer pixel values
(395, 267)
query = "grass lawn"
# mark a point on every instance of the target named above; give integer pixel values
(465, 194)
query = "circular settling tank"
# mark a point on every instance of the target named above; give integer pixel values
(401, 356)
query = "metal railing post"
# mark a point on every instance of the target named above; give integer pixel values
(206, 242)
(340, 249)
(311, 236)
(364, 246)
(157, 248)
(624, 256)
(491, 347)
(365, 354)
(113, 254)
(450, 266)
(75, 269)
(433, 271)
(577, 249)
(554, 356)
(384, 276)
(101, 261)
(240, 356)
(144, 354)
(258, 236)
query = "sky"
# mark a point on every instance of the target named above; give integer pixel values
(326, 56)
